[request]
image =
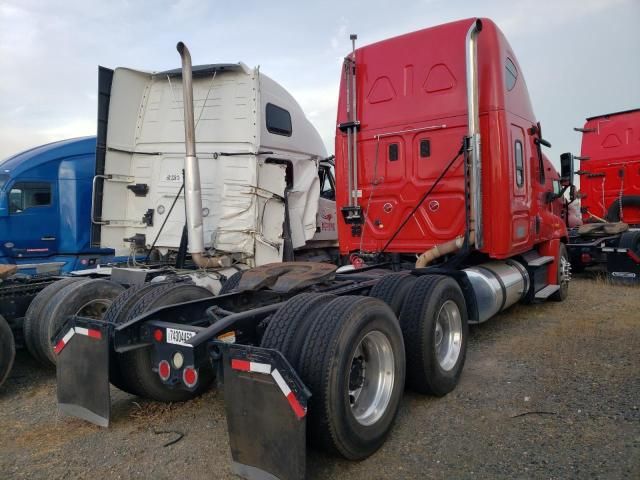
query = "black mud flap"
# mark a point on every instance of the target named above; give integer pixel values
(266, 406)
(82, 347)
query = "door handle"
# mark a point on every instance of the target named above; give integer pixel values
(48, 238)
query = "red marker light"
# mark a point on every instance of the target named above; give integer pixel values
(585, 258)
(190, 377)
(158, 335)
(164, 370)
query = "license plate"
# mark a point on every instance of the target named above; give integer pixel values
(179, 337)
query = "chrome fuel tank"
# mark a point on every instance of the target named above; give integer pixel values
(497, 285)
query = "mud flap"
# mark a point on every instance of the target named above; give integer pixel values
(266, 406)
(82, 348)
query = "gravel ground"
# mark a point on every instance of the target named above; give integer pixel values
(548, 391)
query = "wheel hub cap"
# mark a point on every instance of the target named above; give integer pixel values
(448, 335)
(371, 378)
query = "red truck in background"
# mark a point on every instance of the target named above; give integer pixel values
(610, 167)
(609, 196)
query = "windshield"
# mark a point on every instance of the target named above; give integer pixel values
(3, 180)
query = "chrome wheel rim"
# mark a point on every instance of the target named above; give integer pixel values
(565, 270)
(448, 335)
(371, 378)
(94, 308)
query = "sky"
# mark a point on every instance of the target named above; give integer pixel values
(580, 57)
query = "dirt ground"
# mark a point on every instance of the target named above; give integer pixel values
(548, 391)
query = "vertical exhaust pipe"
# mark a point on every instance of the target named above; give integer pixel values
(475, 155)
(475, 160)
(192, 188)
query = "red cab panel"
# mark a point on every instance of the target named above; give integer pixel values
(412, 107)
(610, 169)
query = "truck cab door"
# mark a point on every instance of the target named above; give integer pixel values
(523, 227)
(33, 220)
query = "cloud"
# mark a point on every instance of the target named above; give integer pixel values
(320, 105)
(577, 55)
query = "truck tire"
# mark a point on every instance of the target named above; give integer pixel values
(7, 350)
(34, 312)
(352, 341)
(613, 212)
(563, 275)
(287, 328)
(392, 289)
(231, 283)
(118, 313)
(631, 241)
(434, 325)
(137, 366)
(89, 298)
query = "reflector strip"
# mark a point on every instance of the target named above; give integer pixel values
(63, 341)
(265, 368)
(281, 383)
(97, 334)
(298, 409)
(633, 256)
(246, 366)
(261, 368)
(89, 333)
(242, 365)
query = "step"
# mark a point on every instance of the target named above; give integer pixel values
(547, 291)
(538, 262)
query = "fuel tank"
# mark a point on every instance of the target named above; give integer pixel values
(497, 285)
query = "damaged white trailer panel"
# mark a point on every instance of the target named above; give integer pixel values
(254, 143)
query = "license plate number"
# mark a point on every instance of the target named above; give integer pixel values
(179, 337)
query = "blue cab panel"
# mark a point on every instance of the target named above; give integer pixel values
(45, 207)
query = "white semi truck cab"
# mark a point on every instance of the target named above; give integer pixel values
(260, 160)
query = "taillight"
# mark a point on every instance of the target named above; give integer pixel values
(164, 370)
(585, 258)
(158, 335)
(178, 360)
(190, 377)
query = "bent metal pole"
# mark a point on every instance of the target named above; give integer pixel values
(192, 188)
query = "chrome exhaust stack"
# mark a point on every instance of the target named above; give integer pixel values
(473, 109)
(192, 188)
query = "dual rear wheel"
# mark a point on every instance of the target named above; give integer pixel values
(58, 301)
(135, 371)
(354, 353)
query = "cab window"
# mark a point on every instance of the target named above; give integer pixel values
(511, 74)
(24, 195)
(327, 187)
(518, 156)
(278, 120)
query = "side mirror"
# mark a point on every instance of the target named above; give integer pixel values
(566, 168)
(4, 204)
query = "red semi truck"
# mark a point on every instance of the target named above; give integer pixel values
(449, 210)
(609, 196)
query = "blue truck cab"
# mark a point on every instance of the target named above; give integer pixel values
(45, 208)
